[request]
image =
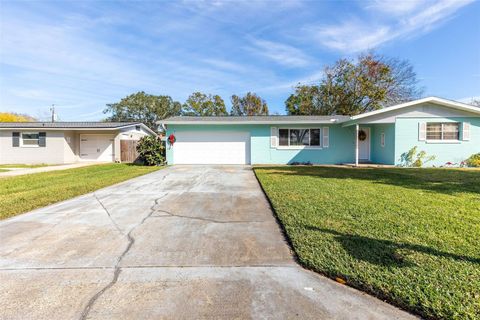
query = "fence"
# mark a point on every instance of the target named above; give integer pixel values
(128, 150)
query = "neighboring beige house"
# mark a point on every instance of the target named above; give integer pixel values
(66, 142)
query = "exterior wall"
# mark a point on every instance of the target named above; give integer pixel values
(61, 146)
(406, 136)
(69, 153)
(341, 144)
(386, 154)
(52, 153)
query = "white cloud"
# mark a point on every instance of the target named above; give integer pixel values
(395, 7)
(353, 36)
(280, 53)
(410, 19)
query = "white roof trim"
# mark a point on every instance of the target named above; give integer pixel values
(439, 101)
(79, 128)
(255, 122)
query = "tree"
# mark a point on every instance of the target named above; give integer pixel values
(144, 108)
(249, 105)
(475, 102)
(15, 117)
(353, 87)
(200, 104)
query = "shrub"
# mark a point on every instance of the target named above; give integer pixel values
(412, 158)
(474, 160)
(151, 151)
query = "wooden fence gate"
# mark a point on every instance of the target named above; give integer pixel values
(128, 150)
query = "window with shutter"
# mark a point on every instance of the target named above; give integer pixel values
(422, 131)
(466, 131)
(326, 137)
(15, 139)
(42, 139)
(273, 137)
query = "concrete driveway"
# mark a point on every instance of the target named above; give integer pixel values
(185, 242)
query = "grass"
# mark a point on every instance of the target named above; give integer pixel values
(409, 236)
(29, 166)
(20, 194)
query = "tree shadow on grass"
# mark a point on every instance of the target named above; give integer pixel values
(447, 181)
(384, 252)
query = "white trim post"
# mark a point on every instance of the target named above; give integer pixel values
(357, 129)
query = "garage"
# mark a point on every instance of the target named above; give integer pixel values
(211, 147)
(96, 147)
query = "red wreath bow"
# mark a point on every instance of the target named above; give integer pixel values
(172, 139)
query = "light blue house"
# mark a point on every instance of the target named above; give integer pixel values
(446, 129)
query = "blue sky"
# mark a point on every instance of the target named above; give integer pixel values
(80, 55)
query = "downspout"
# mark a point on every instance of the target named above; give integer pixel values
(357, 129)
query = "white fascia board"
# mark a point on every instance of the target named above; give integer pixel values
(60, 129)
(443, 102)
(254, 122)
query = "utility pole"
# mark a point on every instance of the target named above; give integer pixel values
(52, 109)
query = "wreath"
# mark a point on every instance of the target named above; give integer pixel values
(362, 135)
(172, 139)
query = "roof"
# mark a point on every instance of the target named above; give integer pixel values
(66, 124)
(277, 119)
(440, 101)
(283, 119)
(71, 125)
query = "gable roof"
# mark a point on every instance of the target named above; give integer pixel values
(72, 125)
(276, 119)
(439, 101)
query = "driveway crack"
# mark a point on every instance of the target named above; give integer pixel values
(108, 214)
(117, 268)
(200, 218)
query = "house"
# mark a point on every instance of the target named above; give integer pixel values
(66, 142)
(447, 129)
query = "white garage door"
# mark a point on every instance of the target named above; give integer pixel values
(211, 147)
(96, 147)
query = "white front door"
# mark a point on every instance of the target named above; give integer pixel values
(364, 144)
(96, 147)
(211, 147)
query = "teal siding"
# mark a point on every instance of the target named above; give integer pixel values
(386, 154)
(406, 136)
(399, 138)
(341, 147)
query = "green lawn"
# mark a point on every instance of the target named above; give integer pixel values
(20, 194)
(409, 236)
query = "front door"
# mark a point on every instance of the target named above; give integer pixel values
(364, 144)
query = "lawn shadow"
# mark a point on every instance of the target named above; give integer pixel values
(384, 252)
(447, 181)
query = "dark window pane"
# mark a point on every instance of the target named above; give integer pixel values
(314, 137)
(299, 137)
(283, 137)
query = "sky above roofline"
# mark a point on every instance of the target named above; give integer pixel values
(83, 55)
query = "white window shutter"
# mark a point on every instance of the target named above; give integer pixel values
(466, 131)
(325, 137)
(422, 131)
(273, 137)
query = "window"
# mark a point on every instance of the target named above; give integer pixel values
(30, 139)
(442, 131)
(382, 139)
(299, 137)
